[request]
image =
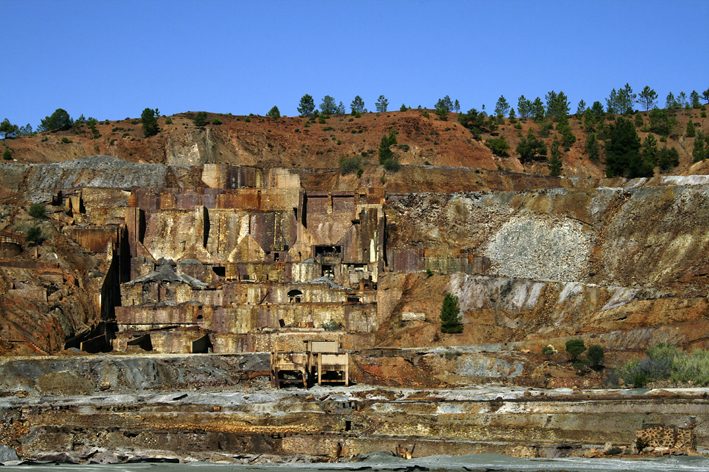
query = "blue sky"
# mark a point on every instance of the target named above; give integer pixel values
(111, 59)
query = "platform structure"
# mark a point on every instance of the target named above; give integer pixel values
(320, 361)
(289, 367)
(325, 357)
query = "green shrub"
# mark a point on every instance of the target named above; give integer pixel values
(392, 164)
(248, 120)
(34, 235)
(7, 155)
(339, 142)
(38, 211)
(217, 121)
(429, 273)
(704, 114)
(639, 380)
(200, 118)
(575, 347)
(349, 164)
(66, 140)
(331, 325)
(426, 115)
(404, 147)
(518, 126)
(595, 354)
(691, 368)
(360, 171)
(657, 365)
(168, 121)
(498, 146)
(548, 351)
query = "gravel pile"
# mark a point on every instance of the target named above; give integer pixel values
(541, 248)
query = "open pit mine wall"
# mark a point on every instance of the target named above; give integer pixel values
(121, 407)
(589, 256)
(640, 236)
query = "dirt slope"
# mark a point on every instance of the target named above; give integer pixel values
(290, 142)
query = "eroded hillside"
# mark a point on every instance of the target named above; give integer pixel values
(300, 143)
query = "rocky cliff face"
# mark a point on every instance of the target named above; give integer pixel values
(536, 260)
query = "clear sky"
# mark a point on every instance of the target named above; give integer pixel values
(111, 59)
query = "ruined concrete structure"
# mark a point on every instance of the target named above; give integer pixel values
(232, 266)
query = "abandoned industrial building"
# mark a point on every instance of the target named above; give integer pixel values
(251, 262)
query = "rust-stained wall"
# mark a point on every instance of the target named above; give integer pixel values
(93, 238)
(254, 247)
(243, 319)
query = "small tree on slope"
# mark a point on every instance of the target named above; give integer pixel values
(450, 319)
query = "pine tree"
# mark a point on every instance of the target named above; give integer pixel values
(592, 148)
(328, 106)
(622, 148)
(647, 98)
(580, 109)
(385, 144)
(442, 109)
(690, 129)
(523, 107)
(639, 122)
(502, 107)
(555, 163)
(150, 122)
(382, 104)
(648, 151)
(306, 105)
(694, 98)
(274, 113)
(537, 110)
(450, 318)
(699, 152)
(357, 105)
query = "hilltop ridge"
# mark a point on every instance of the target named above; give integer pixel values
(297, 142)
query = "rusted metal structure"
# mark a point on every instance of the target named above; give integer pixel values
(289, 367)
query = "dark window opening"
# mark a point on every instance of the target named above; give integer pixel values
(200, 317)
(353, 299)
(328, 271)
(220, 271)
(348, 426)
(276, 256)
(327, 251)
(295, 296)
(245, 277)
